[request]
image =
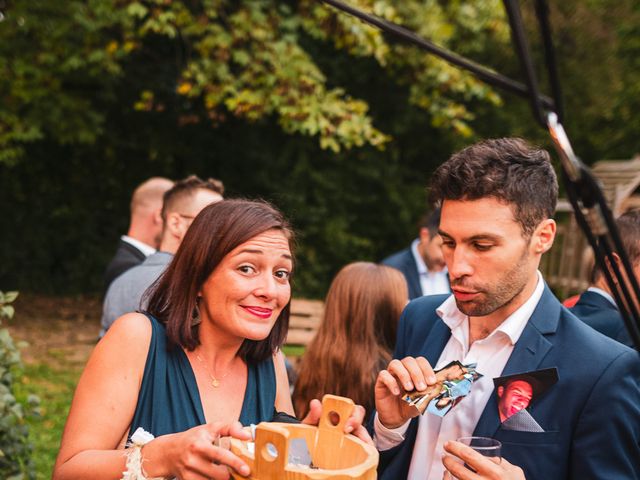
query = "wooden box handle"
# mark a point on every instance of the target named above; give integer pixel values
(335, 413)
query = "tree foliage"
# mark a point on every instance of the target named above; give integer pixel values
(240, 58)
(15, 449)
(292, 101)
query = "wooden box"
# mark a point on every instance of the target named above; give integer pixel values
(337, 455)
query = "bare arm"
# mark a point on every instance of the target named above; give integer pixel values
(104, 402)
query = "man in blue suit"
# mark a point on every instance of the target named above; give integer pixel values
(422, 263)
(497, 198)
(596, 307)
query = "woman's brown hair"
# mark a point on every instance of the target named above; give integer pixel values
(357, 335)
(216, 231)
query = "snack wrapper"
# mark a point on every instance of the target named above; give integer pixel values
(454, 382)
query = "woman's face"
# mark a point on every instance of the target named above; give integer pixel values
(246, 292)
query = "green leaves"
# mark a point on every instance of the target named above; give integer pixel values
(7, 311)
(246, 59)
(15, 449)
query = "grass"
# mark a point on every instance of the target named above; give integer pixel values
(54, 382)
(293, 350)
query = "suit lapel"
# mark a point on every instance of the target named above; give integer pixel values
(436, 341)
(528, 352)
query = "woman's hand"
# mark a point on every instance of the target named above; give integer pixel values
(486, 468)
(192, 455)
(353, 425)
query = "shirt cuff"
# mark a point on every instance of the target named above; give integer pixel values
(387, 438)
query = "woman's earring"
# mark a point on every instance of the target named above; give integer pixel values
(195, 315)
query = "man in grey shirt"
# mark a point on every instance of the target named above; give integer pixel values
(180, 206)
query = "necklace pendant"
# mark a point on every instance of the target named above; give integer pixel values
(215, 382)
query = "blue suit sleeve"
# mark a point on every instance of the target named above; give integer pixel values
(607, 436)
(399, 352)
(399, 348)
(401, 337)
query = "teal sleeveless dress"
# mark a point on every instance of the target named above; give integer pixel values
(169, 401)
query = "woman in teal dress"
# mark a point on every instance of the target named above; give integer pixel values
(202, 360)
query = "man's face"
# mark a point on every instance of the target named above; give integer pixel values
(514, 397)
(490, 262)
(430, 249)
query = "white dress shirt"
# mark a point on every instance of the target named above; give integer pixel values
(143, 247)
(491, 355)
(431, 283)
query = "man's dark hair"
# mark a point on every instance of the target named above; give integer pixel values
(185, 188)
(629, 228)
(507, 169)
(430, 221)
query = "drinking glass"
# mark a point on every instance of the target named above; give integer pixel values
(489, 447)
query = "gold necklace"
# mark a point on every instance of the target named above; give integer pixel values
(215, 382)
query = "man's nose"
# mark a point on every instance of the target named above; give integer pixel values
(460, 266)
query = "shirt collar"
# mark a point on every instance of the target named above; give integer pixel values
(422, 267)
(143, 247)
(512, 326)
(604, 294)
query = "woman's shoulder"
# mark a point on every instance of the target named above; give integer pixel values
(126, 336)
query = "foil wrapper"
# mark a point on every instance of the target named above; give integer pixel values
(453, 383)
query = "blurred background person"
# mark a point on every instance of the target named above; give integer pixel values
(596, 306)
(356, 338)
(181, 204)
(145, 228)
(422, 263)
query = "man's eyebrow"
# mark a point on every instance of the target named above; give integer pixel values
(474, 238)
(485, 236)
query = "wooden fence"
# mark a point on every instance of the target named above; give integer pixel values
(566, 267)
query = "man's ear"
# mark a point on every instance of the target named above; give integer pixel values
(157, 216)
(617, 259)
(500, 391)
(543, 236)
(425, 235)
(173, 224)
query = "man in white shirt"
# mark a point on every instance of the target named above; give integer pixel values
(497, 200)
(422, 264)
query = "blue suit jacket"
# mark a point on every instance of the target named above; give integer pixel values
(591, 416)
(405, 262)
(599, 313)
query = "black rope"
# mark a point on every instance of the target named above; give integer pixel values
(483, 73)
(542, 12)
(519, 38)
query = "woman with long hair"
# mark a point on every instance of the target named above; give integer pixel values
(357, 335)
(204, 355)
